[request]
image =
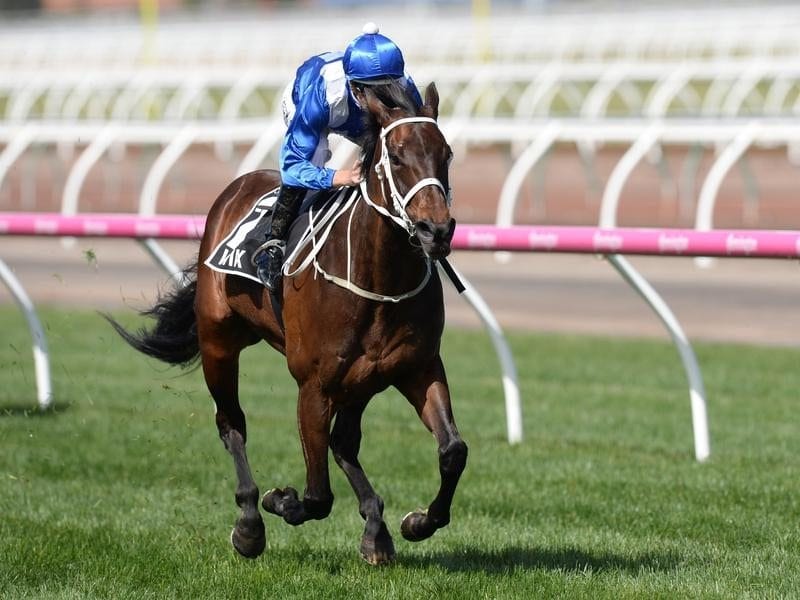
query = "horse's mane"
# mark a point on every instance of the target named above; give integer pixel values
(393, 95)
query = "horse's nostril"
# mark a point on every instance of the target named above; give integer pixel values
(424, 226)
(426, 231)
(430, 232)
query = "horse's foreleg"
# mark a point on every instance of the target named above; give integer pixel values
(376, 543)
(314, 417)
(221, 372)
(429, 394)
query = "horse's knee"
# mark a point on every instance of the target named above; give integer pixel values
(453, 457)
(318, 508)
(339, 450)
(344, 447)
(233, 437)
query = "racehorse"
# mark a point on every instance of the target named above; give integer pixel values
(343, 343)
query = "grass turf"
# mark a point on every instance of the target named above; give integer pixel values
(125, 491)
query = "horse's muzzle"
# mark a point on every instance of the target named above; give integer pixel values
(435, 237)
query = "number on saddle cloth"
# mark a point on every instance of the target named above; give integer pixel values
(233, 254)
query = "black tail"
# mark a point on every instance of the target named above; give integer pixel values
(173, 339)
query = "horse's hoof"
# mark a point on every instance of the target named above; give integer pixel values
(377, 556)
(416, 526)
(270, 499)
(378, 550)
(278, 501)
(249, 538)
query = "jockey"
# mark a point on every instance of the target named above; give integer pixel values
(318, 102)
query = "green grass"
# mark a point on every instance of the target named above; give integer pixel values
(125, 491)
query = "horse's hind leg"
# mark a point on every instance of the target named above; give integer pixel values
(221, 370)
(376, 543)
(428, 392)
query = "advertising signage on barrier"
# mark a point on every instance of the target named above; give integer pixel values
(519, 238)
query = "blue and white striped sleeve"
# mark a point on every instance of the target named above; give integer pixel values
(301, 141)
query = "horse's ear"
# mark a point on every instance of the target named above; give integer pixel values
(432, 100)
(359, 94)
(374, 106)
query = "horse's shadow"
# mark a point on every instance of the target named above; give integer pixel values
(566, 560)
(526, 558)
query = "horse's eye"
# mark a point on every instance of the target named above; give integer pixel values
(395, 160)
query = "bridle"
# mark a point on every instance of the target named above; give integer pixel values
(383, 169)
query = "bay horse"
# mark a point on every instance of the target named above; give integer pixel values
(343, 344)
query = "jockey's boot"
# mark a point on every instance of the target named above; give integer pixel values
(268, 259)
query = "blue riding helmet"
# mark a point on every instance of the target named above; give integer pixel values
(373, 58)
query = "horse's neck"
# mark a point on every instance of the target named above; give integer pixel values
(382, 256)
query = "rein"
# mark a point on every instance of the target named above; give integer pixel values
(321, 226)
(326, 222)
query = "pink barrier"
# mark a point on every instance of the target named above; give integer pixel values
(666, 242)
(178, 227)
(591, 240)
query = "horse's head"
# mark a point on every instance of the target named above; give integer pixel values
(408, 172)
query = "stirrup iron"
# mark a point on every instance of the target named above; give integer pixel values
(261, 250)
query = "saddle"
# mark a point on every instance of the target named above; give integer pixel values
(233, 255)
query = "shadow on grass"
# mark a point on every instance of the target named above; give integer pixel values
(31, 409)
(473, 560)
(566, 559)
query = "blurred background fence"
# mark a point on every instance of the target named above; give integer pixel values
(543, 101)
(560, 113)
